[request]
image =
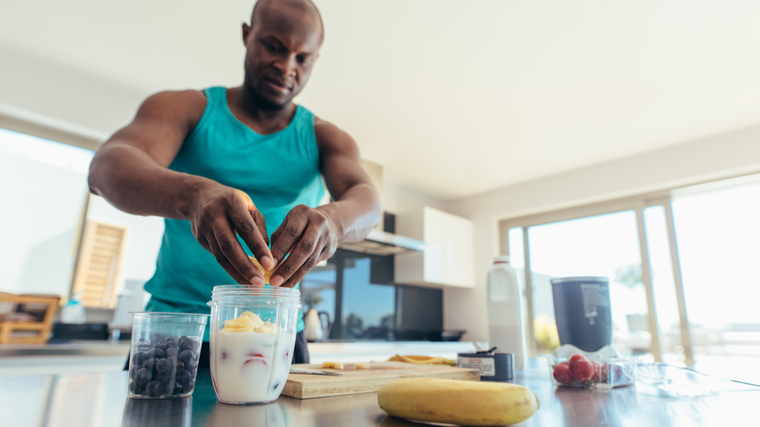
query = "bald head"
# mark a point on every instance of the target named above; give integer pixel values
(306, 7)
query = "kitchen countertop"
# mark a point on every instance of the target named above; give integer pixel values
(101, 400)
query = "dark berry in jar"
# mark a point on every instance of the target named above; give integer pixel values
(171, 352)
(154, 388)
(177, 388)
(191, 365)
(151, 353)
(140, 358)
(133, 372)
(170, 339)
(159, 346)
(143, 376)
(163, 366)
(184, 377)
(188, 386)
(136, 388)
(185, 356)
(180, 367)
(159, 353)
(187, 344)
(150, 364)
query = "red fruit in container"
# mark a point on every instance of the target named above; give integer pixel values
(581, 368)
(600, 372)
(562, 373)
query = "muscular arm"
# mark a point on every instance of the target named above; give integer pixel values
(311, 235)
(356, 209)
(131, 171)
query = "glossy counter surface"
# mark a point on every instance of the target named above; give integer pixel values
(100, 400)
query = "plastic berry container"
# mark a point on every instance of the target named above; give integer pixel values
(591, 372)
(163, 360)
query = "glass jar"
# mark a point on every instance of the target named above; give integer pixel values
(250, 364)
(163, 360)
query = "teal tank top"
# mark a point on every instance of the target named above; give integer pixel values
(278, 171)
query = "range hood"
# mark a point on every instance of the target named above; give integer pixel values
(385, 244)
(382, 240)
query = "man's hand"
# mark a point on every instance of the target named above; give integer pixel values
(309, 235)
(216, 214)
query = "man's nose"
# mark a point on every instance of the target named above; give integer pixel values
(287, 65)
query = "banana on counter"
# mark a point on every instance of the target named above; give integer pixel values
(422, 360)
(457, 402)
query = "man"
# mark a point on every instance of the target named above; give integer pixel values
(227, 166)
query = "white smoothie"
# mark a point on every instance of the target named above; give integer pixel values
(250, 367)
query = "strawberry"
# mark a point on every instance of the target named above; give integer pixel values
(600, 372)
(562, 373)
(581, 368)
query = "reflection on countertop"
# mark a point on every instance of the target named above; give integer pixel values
(90, 400)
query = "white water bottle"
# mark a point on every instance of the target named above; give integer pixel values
(506, 328)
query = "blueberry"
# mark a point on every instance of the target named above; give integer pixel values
(187, 344)
(151, 353)
(163, 366)
(150, 364)
(159, 346)
(159, 353)
(184, 376)
(136, 388)
(154, 388)
(143, 376)
(185, 356)
(133, 372)
(188, 387)
(191, 365)
(171, 352)
(177, 388)
(180, 367)
(140, 358)
(170, 339)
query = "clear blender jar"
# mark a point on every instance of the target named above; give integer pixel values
(253, 332)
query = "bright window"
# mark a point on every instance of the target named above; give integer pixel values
(44, 193)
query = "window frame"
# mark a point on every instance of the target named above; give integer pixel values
(62, 132)
(636, 203)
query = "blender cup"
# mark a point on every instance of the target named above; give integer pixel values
(163, 361)
(250, 356)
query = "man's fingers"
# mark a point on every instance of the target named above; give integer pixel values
(231, 251)
(244, 224)
(305, 247)
(287, 235)
(261, 224)
(222, 260)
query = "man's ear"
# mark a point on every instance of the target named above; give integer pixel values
(246, 32)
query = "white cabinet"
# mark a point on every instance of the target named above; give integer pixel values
(448, 257)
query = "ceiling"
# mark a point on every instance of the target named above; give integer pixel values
(453, 97)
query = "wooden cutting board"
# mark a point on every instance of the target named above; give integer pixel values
(367, 380)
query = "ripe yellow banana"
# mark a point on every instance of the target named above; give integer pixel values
(458, 402)
(422, 360)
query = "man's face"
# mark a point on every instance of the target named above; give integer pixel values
(282, 46)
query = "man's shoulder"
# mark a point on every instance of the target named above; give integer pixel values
(331, 137)
(179, 98)
(182, 105)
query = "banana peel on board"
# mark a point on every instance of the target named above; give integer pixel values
(422, 360)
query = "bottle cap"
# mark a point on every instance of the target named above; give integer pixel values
(501, 259)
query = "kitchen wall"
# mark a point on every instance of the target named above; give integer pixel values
(712, 158)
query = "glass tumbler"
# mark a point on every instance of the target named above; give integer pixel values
(163, 361)
(249, 367)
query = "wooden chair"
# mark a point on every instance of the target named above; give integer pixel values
(10, 329)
